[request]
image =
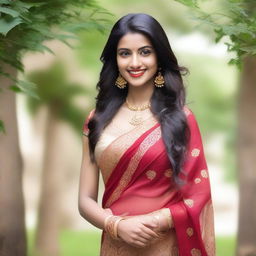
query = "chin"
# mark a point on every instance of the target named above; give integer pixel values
(137, 83)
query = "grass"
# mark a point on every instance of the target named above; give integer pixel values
(86, 243)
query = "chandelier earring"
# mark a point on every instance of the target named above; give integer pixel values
(159, 79)
(120, 82)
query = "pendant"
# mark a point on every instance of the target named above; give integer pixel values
(136, 120)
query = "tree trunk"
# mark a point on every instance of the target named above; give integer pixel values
(49, 218)
(12, 219)
(246, 245)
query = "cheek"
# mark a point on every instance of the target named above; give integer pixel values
(121, 63)
(152, 62)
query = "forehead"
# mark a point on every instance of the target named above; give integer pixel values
(133, 41)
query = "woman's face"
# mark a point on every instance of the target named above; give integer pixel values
(136, 60)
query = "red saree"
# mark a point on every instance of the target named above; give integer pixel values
(138, 180)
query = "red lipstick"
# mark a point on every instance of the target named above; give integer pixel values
(136, 72)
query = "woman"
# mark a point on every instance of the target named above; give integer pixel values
(147, 145)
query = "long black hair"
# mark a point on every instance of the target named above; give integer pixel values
(166, 102)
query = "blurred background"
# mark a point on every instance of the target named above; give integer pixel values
(50, 129)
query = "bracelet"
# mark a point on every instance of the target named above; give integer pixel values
(110, 225)
(106, 221)
(115, 227)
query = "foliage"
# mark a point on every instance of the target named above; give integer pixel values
(236, 20)
(26, 24)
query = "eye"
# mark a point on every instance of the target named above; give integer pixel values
(145, 52)
(124, 53)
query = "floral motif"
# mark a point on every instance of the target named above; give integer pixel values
(168, 173)
(195, 152)
(197, 180)
(204, 174)
(189, 202)
(190, 231)
(195, 252)
(151, 174)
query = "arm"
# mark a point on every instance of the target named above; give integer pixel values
(136, 232)
(88, 190)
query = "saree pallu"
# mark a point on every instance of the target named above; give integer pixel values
(138, 180)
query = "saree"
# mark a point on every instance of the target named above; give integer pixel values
(138, 179)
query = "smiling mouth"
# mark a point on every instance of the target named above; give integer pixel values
(136, 73)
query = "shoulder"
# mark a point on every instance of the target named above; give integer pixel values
(86, 122)
(91, 113)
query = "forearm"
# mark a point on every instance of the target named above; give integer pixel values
(92, 212)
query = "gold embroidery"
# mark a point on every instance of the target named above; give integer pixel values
(189, 202)
(190, 232)
(168, 173)
(195, 252)
(197, 180)
(195, 152)
(207, 228)
(107, 156)
(151, 174)
(204, 174)
(164, 245)
(149, 141)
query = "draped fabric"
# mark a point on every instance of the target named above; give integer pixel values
(138, 179)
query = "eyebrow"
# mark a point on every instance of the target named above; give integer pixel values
(146, 46)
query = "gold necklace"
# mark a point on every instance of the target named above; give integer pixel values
(137, 118)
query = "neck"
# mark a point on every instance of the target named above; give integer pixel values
(139, 95)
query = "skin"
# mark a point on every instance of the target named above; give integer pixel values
(134, 51)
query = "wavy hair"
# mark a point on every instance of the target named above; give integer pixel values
(167, 102)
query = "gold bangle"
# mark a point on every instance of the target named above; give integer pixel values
(115, 227)
(111, 225)
(106, 221)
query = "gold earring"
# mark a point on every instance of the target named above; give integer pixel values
(159, 80)
(121, 82)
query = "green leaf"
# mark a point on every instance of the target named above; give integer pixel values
(5, 1)
(15, 88)
(249, 49)
(6, 26)
(236, 29)
(9, 11)
(2, 128)
(189, 3)
(28, 87)
(42, 48)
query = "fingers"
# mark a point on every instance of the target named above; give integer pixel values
(149, 232)
(150, 221)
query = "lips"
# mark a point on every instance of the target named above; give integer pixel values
(136, 72)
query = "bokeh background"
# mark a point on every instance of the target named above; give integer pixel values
(50, 129)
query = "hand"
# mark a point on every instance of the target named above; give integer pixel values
(137, 231)
(161, 215)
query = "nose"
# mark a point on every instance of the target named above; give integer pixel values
(135, 61)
